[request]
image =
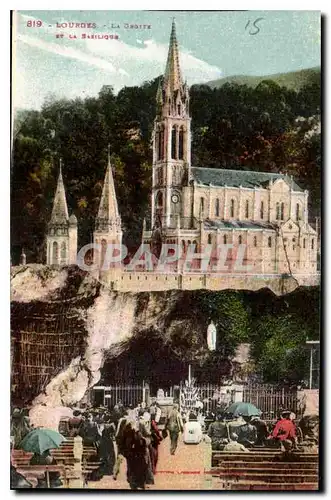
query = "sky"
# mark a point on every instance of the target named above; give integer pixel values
(212, 45)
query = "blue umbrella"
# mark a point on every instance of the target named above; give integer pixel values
(244, 409)
(41, 440)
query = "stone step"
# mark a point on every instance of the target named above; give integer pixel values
(269, 478)
(275, 487)
(263, 470)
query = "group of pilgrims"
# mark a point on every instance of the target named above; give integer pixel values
(133, 434)
(136, 435)
(244, 432)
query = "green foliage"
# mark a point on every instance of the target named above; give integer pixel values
(278, 348)
(235, 126)
(230, 314)
(279, 328)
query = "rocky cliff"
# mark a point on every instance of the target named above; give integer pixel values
(69, 331)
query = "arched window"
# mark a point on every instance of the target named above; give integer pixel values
(312, 244)
(282, 211)
(55, 259)
(202, 206)
(169, 106)
(209, 239)
(277, 211)
(255, 241)
(161, 152)
(183, 246)
(179, 109)
(157, 144)
(195, 245)
(181, 144)
(304, 243)
(269, 242)
(240, 240)
(297, 211)
(247, 209)
(225, 239)
(173, 143)
(159, 201)
(217, 207)
(232, 208)
(103, 251)
(261, 210)
(63, 251)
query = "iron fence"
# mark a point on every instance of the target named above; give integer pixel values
(270, 400)
(127, 394)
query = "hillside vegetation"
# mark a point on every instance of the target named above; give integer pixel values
(293, 80)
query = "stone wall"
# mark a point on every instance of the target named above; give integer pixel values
(151, 281)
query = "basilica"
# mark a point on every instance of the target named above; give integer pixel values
(267, 213)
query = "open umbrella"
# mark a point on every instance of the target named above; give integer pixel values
(41, 440)
(244, 409)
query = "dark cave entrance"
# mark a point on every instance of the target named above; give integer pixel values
(146, 359)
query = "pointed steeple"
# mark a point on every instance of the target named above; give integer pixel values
(108, 208)
(60, 209)
(172, 75)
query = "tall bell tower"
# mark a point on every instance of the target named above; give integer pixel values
(171, 142)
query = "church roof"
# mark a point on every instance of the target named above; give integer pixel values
(60, 209)
(237, 178)
(237, 224)
(172, 76)
(108, 208)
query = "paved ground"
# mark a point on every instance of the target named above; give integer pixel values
(182, 471)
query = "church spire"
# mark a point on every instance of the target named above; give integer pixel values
(172, 75)
(108, 208)
(60, 209)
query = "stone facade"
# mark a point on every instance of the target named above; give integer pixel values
(268, 213)
(261, 218)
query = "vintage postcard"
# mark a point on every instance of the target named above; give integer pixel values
(165, 250)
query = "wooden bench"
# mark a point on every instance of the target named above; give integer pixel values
(266, 471)
(275, 487)
(221, 456)
(34, 472)
(269, 477)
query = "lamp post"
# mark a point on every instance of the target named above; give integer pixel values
(311, 343)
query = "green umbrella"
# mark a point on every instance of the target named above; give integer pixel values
(244, 409)
(41, 440)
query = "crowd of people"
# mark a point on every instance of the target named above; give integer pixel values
(135, 433)
(242, 433)
(132, 434)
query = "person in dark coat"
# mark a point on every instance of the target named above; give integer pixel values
(89, 431)
(156, 439)
(120, 437)
(247, 434)
(219, 433)
(174, 425)
(106, 453)
(46, 459)
(136, 454)
(74, 423)
(261, 430)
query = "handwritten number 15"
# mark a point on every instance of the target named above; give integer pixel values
(254, 26)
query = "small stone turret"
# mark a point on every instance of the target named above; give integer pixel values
(108, 228)
(62, 231)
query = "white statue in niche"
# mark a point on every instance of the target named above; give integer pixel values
(211, 336)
